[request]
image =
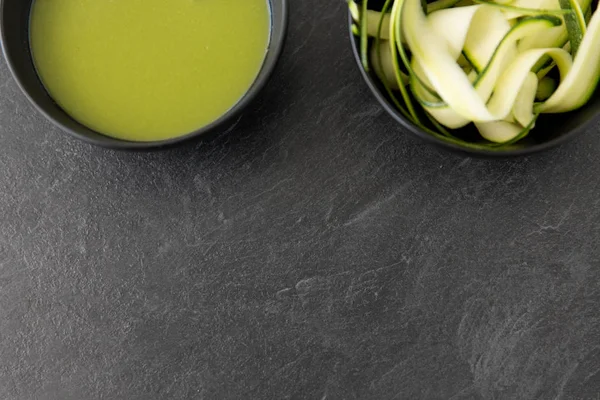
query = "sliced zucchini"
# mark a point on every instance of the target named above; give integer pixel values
(364, 43)
(440, 5)
(381, 60)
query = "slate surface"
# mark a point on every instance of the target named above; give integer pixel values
(316, 252)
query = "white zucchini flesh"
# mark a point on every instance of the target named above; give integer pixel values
(554, 37)
(498, 131)
(443, 23)
(485, 33)
(373, 18)
(423, 86)
(520, 8)
(381, 60)
(522, 110)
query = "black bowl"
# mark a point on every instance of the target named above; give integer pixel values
(550, 130)
(14, 31)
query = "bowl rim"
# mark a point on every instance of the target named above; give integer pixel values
(270, 60)
(418, 132)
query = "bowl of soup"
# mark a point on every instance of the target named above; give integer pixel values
(138, 74)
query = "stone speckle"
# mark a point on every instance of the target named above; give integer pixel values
(314, 252)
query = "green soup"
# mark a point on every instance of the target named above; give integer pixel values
(147, 70)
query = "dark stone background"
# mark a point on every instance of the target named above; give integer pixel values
(315, 252)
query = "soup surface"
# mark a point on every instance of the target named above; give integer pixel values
(147, 70)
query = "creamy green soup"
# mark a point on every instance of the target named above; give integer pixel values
(147, 70)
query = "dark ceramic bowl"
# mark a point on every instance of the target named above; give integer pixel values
(550, 130)
(14, 30)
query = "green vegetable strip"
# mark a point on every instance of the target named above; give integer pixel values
(588, 15)
(578, 12)
(575, 23)
(440, 5)
(395, 40)
(397, 32)
(421, 87)
(392, 46)
(363, 36)
(553, 37)
(522, 110)
(444, 23)
(471, 62)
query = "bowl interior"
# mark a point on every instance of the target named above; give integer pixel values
(550, 129)
(14, 26)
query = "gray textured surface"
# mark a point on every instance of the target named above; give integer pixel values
(315, 253)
